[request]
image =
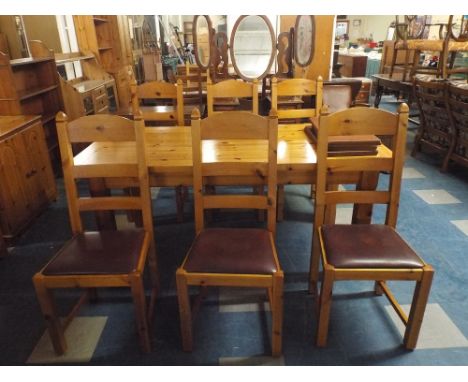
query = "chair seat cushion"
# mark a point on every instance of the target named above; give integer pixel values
(98, 253)
(232, 250)
(367, 246)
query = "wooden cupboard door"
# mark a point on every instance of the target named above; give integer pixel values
(14, 208)
(41, 168)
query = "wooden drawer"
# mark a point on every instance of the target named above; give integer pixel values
(100, 103)
(99, 92)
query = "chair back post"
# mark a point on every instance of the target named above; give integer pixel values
(274, 94)
(399, 144)
(272, 169)
(255, 96)
(134, 97)
(180, 103)
(319, 96)
(143, 175)
(66, 153)
(197, 170)
(209, 94)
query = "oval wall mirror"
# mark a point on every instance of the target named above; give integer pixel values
(202, 39)
(252, 47)
(459, 27)
(304, 40)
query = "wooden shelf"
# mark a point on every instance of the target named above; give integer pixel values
(73, 59)
(29, 93)
(28, 61)
(105, 47)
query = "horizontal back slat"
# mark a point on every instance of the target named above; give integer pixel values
(236, 201)
(104, 203)
(257, 169)
(231, 88)
(342, 197)
(296, 113)
(248, 126)
(297, 87)
(101, 128)
(157, 89)
(363, 121)
(358, 163)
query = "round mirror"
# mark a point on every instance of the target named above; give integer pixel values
(252, 47)
(202, 38)
(304, 40)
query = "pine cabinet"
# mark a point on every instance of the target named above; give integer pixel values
(26, 177)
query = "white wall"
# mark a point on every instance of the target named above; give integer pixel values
(378, 25)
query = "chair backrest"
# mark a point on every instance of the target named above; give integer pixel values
(239, 127)
(458, 107)
(361, 121)
(337, 97)
(232, 89)
(297, 87)
(431, 97)
(111, 129)
(159, 101)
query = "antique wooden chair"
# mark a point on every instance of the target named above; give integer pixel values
(435, 131)
(230, 94)
(457, 98)
(229, 257)
(365, 251)
(162, 114)
(161, 103)
(98, 259)
(192, 93)
(298, 88)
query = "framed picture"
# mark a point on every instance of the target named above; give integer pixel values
(357, 23)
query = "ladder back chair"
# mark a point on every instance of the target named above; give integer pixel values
(457, 95)
(98, 259)
(228, 95)
(365, 251)
(233, 257)
(298, 88)
(157, 91)
(435, 131)
(161, 103)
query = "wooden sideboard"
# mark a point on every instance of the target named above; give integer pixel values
(28, 183)
(353, 65)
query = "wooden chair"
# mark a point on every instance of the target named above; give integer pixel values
(230, 257)
(226, 95)
(299, 88)
(435, 131)
(98, 259)
(162, 114)
(457, 98)
(161, 103)
(365, 251)
(193, 93)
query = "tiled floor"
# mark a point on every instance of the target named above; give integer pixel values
(233, 326)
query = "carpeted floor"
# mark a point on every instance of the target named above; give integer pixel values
(232, 327)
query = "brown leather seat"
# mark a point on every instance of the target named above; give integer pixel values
(232, 250)
(102, 252)
(367, 246)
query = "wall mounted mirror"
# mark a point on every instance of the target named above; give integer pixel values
(304, 40)
(202, 29)
(459, 27)
(252, 47)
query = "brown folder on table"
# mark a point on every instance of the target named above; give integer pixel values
(346, 145)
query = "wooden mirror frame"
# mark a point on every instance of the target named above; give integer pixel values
(463, 35)
(273, 48)
(296, 41)
(195, 41)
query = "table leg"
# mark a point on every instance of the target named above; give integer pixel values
(378, 94)
(362, 213)
(105, 220)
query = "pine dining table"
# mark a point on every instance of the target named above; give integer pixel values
(169, 158)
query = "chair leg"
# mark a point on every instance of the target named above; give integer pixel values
(155, 281)
(418, 306)
(324, 307)
(46, 301)
(314, 264)
(280, 204)
(180, 203)
(184, 310)
(139, 300)
(277, 313)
